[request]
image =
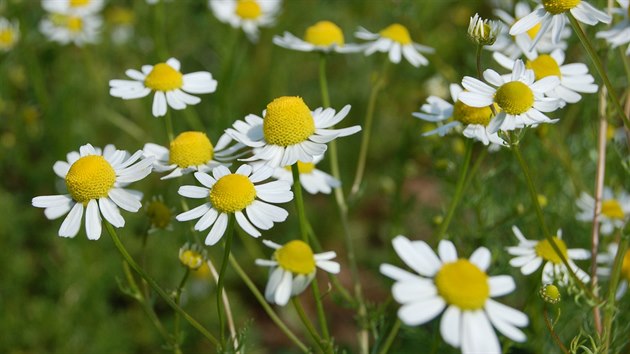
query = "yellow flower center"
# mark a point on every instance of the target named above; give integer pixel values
(191, 259)
(303, 167)
(6, 38)
(612, 209)
(74, 24)
(471, 115)
(159, 214)
(190, 149)
(296, 257)
(232, 193)
(463, 284)
(550, 293)
(556, 7)
(324, 33)
(164, 78)
(544, 66)
(545, 251)
(90, 177)
(514, 97)
(532, 32)
(248, 9)
(625, 266)
(288, 121)
(397, 33)
(78, 3)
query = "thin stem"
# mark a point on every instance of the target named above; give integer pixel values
(541, 220)
(307, 323)
(459, 189)
(261, 300)
(390, 337)
(226, 304)
(478, 57)
(226, 255)
(600, 68)
(323, 82)
(553, 333)
(169, 126)
(178, 294)
(321, 315)
(609, 313)
(299, 202)
(123, 251)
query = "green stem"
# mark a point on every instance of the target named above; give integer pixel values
(459, 189)
(321, 315)
(226, 255)
(261, 300)
(600, 68)
(552, 332)
(123, 251)
(168, 121)
(609, 313)
(178, 294)
(478, 57)
(307, 323)
(390, 337)
(323, 82)
(299, 202)
(541, 219)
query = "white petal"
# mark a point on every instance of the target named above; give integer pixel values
(246, 225)
(501, 285)
(447, 251)
(450, 326)
(193, 191)
(194, 213)
(421, 312)
(478, 335)
(481, 258)
(93, 220)
(124, 199)
(72, 222)
(159, 104)
(283, 291)
(218, 229)
(110, 212)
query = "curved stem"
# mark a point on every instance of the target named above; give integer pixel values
(390, 337)
(459, 189)
(226, 304)
(261, 300)
(226, 255)
(321, 315)
(307, 323)
(600, 68)
(123, 251)
(178, 294)
(553, 333)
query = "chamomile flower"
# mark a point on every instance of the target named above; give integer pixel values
(9, 34)
(192, 256)
(530, 255)
(607, 261)
(246, 14)
(311, 179)
(482, 31)
(396, 41)
(324, 36)
(159, 214)
(519, 98)
(71, 28)
(614, 213)
(620, 33)
(459, 285)
(76, 7)
(292, 268)
(172, 88)
(573, 77)
(552, 13)
(289, 131)
(95, 182)
(515, 46)
(235, 193)
(190, 151)
(475, 119)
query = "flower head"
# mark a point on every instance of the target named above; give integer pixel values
(289, 131)
(66, 28)
(615, 210)
(607, 261)
(396, 41)
(160, 215)
(459, 285)
(619, 34)
(192, 256)
(550, 293)
(95, 182)
(312, 179)
(172, 88)
(530, 255)
(323, 36)
(75, 7)
(240, 193)
(9, 34)
(292, 268)
(246, 14)
(482, 32)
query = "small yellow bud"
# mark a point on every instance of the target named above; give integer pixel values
(192, 257)
(550, 294)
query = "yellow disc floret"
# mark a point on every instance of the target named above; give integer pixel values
(7, 38)
(90, 177)
(550, 293)
(514, 97)
(74, 24)
(79, 3)
(625, 267)
(545, 251)
(556, 7)
(612, 209)
(232, 193)
(463, 284)
(191, 259)
(324, 33)
(248, 9)
(544, 66)
(164, 78)
(288, 121)
(190, 149)
(296, 257)
(303, 167)
(532, 32)
(471, 115)
(159, 214)
(397, 33)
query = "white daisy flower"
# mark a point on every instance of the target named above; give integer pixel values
(95, 184)
(607, 261)
(475, 119)
(530, 255)
(191, 151)
(620, 33)
(171, 87)
(483, 31)
(459, 285)
(292, 268)
(396, 41)
(520, 99)
(552, 13)
(573, 77)
(71, 28)
(9, 34)
(289, 131)
(246, 14)
(75, 7)
(311, 179)
(324, 36)
(515, 46)
(232, 193)
(614, 213)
